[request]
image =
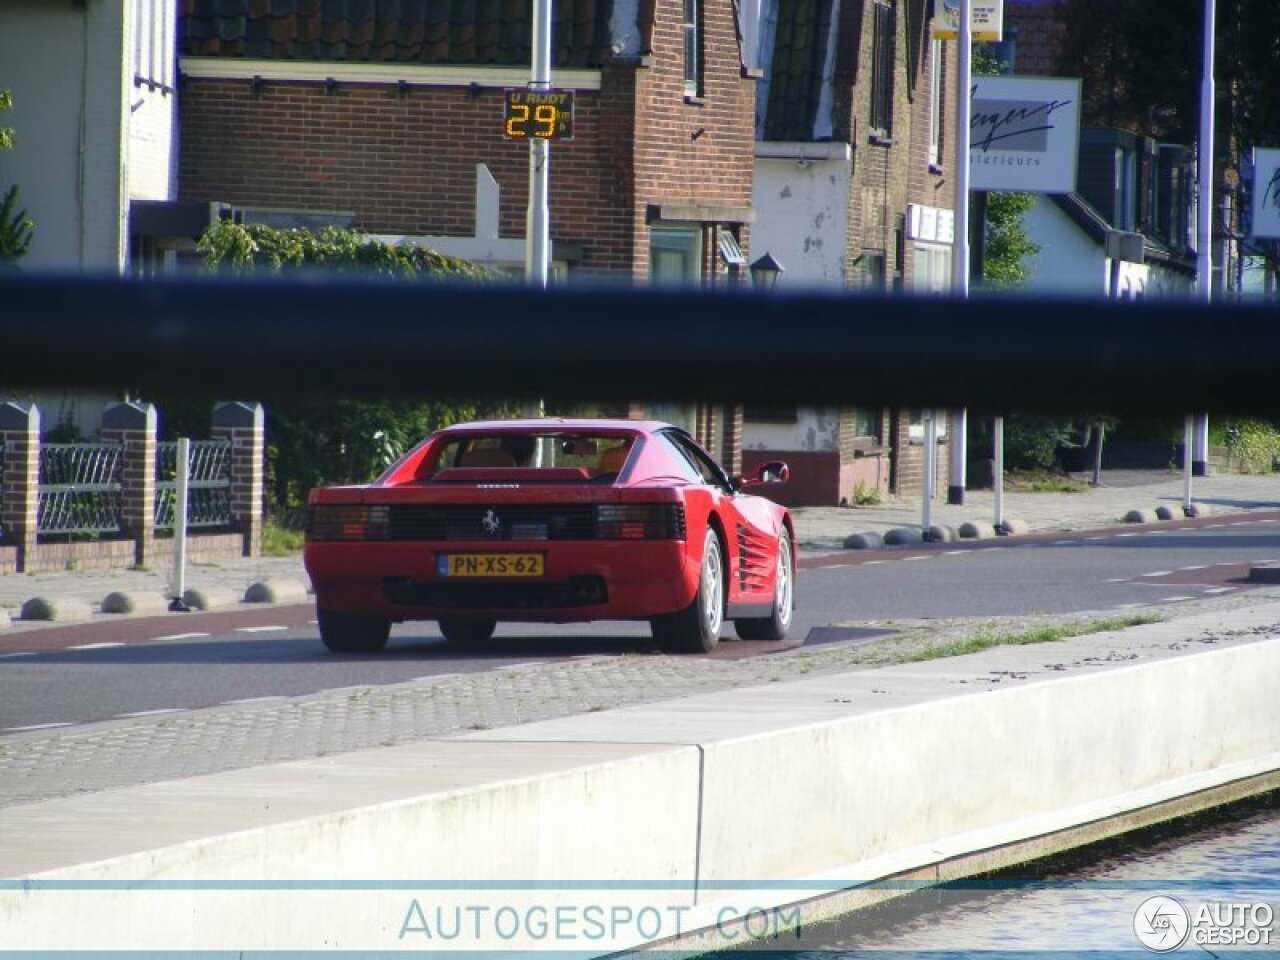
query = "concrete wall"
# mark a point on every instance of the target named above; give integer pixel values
(824, 783)
(42, 47)
(88, 138)
(801, 195)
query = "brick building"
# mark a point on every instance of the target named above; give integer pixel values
(383, 116)
(855, 136)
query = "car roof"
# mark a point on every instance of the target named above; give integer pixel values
(558, 424)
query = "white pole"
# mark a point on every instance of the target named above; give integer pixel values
(964, 98)
(178, 580)
(1188, 441)
(997, 470)
(538, 224)
(930, 471)
(960, 250)
(1199, 450)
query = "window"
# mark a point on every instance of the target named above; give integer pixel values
(937, 106)
(692, 64)
(930, 268)
(675, 253)
(882, 68)
(871, 274)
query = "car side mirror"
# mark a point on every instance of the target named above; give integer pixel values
(771, 471)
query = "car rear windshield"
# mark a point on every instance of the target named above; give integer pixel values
(530, 458)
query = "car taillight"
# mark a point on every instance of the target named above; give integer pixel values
(349, 522)
(640, 521)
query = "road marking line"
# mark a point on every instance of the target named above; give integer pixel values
(38, 726)
(148, 713)
(1127, 606)
(1097, 538)
(253, 700)
(179, 636)
(1062, 543)
(1117, 580)
(10, 656)
(956, 553)
(873, 563)
(919, 556)
(1199, 566)
(258, 629)
(1132, 534)
(1220, 590)
(1175, 599)
(1159, 573)
(95, 646)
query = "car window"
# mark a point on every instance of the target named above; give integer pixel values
(702, 468)
(559, 457)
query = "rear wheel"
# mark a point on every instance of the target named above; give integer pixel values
(775, 626)
(467, 632)
(696, 628)
(352, 633)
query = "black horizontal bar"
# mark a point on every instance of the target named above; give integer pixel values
(254, 338)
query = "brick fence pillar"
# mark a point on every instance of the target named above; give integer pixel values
(20, 477)
(243, 425)
(133, 426)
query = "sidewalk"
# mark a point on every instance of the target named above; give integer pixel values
(79, 595)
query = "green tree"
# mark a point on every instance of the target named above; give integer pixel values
(1006, 245)
(15, 227)
(1141, 63)
(337, 439)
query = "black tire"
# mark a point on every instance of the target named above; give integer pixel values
(696, 628)
(352, 633)
(467, 632)
(773, 628)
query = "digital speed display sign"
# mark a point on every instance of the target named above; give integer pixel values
(538, 115)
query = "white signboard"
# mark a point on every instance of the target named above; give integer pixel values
(1266, 194)
(986, 20)
(1024, 134)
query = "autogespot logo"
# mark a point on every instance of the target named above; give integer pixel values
(1161, 924)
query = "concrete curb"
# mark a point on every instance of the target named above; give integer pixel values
(903, 537)
(121, 602)
(277, 591)
(63, 609)
(1141, 516)
(209, 598)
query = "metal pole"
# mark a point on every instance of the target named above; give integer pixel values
(1188, 441)
(538, 224)
(1198, 452)
(178, 579)
(960, 266)
(964, 103)
(930, 471)
(997, 471)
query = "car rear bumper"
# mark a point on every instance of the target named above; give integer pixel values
(613, 580)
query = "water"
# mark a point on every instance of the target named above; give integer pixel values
(1224, 875)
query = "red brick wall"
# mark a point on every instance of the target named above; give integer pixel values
(699, 152)
(406, 164)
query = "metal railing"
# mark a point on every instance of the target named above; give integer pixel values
(208, 488)
(80, 486)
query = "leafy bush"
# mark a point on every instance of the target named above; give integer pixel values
(1253, 444)
(314, 441)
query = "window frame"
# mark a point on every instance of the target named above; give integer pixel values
(691, 35)
(883, 63)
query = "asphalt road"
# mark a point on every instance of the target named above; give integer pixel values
(130, 667)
